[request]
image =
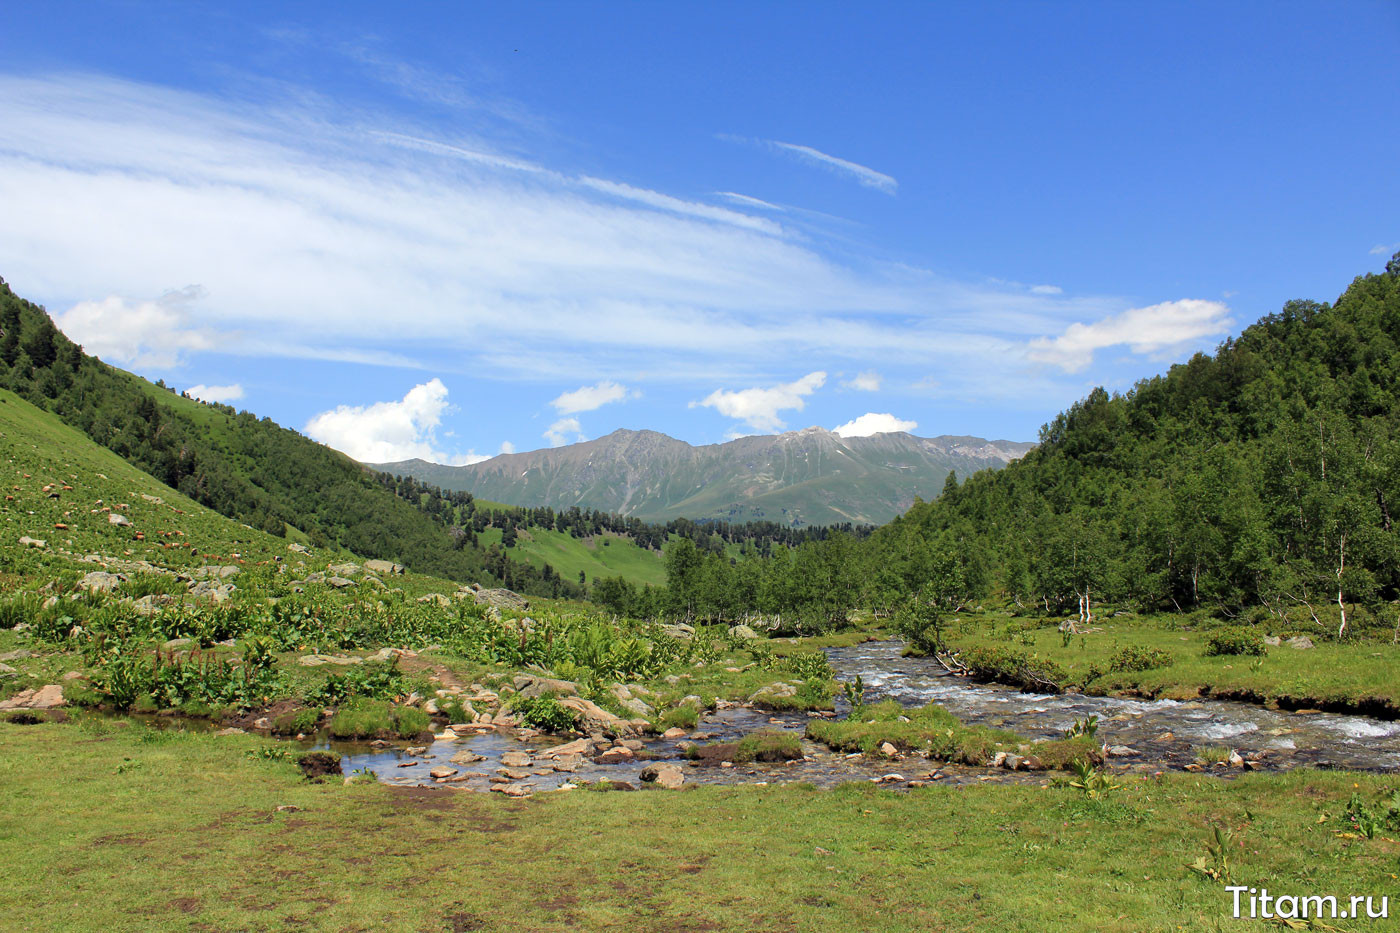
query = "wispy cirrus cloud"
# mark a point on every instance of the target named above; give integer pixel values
(864, 382)
(861, 174)
(864, 175)
(302, 223)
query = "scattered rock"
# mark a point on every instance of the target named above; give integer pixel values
(1236, 760)
(177, 643)
(742, 631)
(298, 548)
(115, 518)
(436, 599)
(1272, 640)
(576, 747)
(892, 779)
(616, 755)
(1120, 751)
(154, 500)
(316, 660)
(230, 731)
(339, 583)
(1014, 763)
(516, 760)
(528, 685)
(888, 750)
(1301, 642)
(593, 718)
(667, 776)
(17, 655)
(27, 541)
(346, 569)
(100, 581)
(766, 695)
(46, 697)
(383, 567)
(441, 772)
(218, 592)
(673, 733)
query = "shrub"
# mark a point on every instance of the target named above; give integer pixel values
(364, 718)
(682, 717)
(1211, 754)
(544, 713)
(769, 745)
(1136, 658)
(1235, 641)
(1009, 666)
(296, 722)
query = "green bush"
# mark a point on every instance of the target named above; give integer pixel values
(1009, 666)
(364, 718)
(296, 722)
(1234, 641)
(1136, 658)
(682, 717)
(769, 745)
(544, 713)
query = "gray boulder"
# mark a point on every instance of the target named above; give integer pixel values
(99, 581)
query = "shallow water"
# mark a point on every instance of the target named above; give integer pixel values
(1162, 732)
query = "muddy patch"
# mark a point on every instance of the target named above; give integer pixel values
(318, 765)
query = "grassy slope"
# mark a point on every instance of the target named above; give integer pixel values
(37, 443)
(569, 555)
(217, 854)
(1329, 675)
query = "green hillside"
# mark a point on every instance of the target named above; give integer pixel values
(602, 555)
(246, 468)
(1258, 484)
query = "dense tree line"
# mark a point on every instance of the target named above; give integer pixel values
(1263, 479)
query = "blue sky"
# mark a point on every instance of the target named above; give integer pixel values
(460, 228)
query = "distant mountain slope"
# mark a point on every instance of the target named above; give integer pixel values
(811, 477)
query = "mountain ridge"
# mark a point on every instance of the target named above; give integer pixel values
(810, 476)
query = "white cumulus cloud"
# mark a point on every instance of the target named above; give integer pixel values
(864, 382)
(204, 393)
(1156, 328)
(759, 407)
(389, 431)
(874, 423)
(143, 333)
(564, 431)
(1380, 249)
(589, 398)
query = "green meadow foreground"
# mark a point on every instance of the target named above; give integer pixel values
(109, 825)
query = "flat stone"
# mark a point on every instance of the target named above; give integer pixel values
(1120, 751)
(46, 697)
(441, 772)
(667, 776)
(673, 733)
(616, 755)
(516, 760)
